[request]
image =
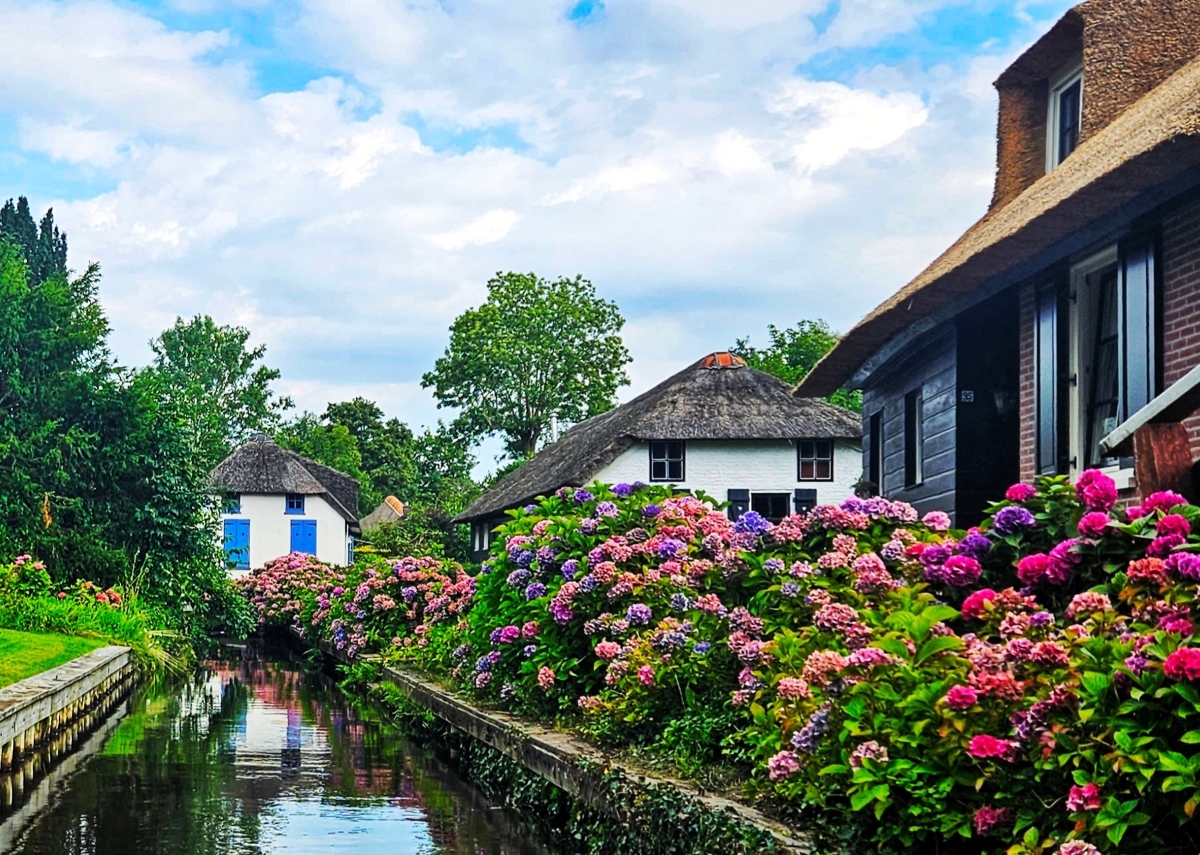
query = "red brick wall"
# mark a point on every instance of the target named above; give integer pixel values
(1028, 437)
(1181, 301)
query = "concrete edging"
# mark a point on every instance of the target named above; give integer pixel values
(567, 762)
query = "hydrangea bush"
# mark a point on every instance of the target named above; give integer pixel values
(1029, 685)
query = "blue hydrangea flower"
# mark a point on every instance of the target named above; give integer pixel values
(570, 568)
(752, 522)
(623, 490)
(651, 510)
(639, 614)
(537, 589)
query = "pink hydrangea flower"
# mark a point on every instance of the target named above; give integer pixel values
(961, 571)
(987, 747)
(1163, 501)
(1088, 603)
(1183, 664)
(1173, 524)
(868, 750)
(1093, 524)
(975, 605)
(791, 688)
(1096, 490)
(1083, 798)
(545, 678)
(783, 765)
(961, 698)
(1020, 493)
(608, 650)
(987, 819)
(1078, 847)
(646, 675)
(937, 520)
(1032, 568)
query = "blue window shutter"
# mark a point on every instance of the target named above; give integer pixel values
(739, 503)
(237, 543)
(804, 500)
(304, 536)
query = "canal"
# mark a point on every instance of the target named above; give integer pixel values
(262, 757)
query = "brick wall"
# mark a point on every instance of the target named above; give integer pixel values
(1028, 421)
(1181, 301)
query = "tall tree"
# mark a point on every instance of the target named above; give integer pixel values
(218, 384)
(793, 352)
(44, 247)
(535, 351)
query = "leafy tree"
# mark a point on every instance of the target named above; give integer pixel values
(535, 350)
(793, 352)
(218, 384)
(333, 445)
(44, 247)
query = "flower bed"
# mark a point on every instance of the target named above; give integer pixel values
(1029, 686)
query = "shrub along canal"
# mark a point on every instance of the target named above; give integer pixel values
(264, 757)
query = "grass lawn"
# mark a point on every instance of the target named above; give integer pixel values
(23, 654)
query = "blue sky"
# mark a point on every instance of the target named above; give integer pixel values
(342, 176)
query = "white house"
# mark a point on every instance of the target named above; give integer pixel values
(719, 427)
(277, 502)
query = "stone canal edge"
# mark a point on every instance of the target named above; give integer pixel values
(569, 763)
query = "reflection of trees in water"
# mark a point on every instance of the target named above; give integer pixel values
(198, 766)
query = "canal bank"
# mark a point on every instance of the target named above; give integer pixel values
(589, 801)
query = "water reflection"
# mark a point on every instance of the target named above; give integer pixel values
(257, 757)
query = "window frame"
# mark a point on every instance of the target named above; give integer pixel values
(1058, 85)
(293, 504)
(786, 498)
(876, 459)
(232, 505)
(816, 459)
(1081, 341)
(914, 438)
(667, 460)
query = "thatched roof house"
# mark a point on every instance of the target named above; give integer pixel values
(717, 426)
(293, 504)
(985, 369)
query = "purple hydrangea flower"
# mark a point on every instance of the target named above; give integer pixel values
(570, 568)
(529, 650)
(623, 490)
(680, 602)
(546, 554)
(1012, 520)
(702, 648)
(806, 739)
(535, 590)
(789, 590)
(773, 565)
(518, 578)
(531, 509)
(588, 525)
(639, 614)
(669, 547)
(651, 510)
(524, 558)
(975, 546)
(582, 496)
(606, 509)
(935, 555)
(588, 583)
(752, 522)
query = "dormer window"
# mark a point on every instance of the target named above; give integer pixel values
(1066, 116)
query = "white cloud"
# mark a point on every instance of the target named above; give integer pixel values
(670, 152)
(492, 227)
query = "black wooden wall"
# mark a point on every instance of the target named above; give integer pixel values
(931, 366)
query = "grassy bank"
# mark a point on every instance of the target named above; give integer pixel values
(24, 654)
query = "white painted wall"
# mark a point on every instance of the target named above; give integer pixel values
(766, 466)
(271, 528)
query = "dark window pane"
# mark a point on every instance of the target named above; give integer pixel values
(808, 470)
(674, 470)
(658, 470)
(824, 449)
(824, 470)
(773, 506)
(1069, 104)
(808, 449)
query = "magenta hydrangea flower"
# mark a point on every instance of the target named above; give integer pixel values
(988, 819)
(783, 765)
(1093, 524)
(1162, 501)
(1020, 493)
(961, 698)
(1078, 847)
(1173, 524)
(987, 747)
(961, 571)
(1183, 664)
(1085, 798)
(974, 606)
(1096, 490)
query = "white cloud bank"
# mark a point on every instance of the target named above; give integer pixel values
(669, 151)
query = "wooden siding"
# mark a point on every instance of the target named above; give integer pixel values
(933, 368)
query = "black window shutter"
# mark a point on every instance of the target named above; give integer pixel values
(1138, 324)
(804, 500)
(1047, 389)
(739, 503)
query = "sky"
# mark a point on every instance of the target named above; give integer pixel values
(342, 177)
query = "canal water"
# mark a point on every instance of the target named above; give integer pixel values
(256, 758)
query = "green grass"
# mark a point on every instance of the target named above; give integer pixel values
(23, 654)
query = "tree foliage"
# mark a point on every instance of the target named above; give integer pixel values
(536, 350)
(793, 352)
(218, 384)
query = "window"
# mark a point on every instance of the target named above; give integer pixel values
(1066, 116)
(295, 504)
(237, 544)
(232, 504)
(875, 461)
(816, 459)
(773, 506)
(739, 503)
(666, 460)
(482, 537)
(350, 551)
(1096, 353)
(914, 438)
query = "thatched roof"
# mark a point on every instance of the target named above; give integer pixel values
(389, 510)
(261, 466)
(1151, 144)
(715, 398)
